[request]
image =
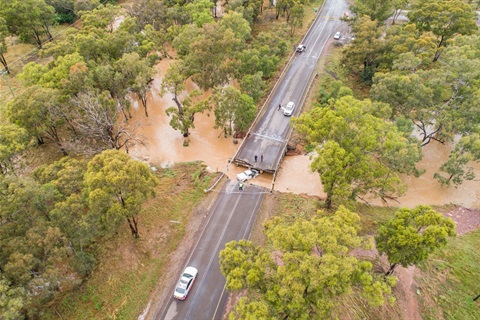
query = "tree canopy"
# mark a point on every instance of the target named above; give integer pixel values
(358, 153)
(412, 235)
(303, 271)
(117, 186)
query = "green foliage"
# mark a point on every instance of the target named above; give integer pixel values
(296, 18)
(439, 98)
(36, 256)
(38, 110)
(117, 186)
(234, 111)
(366, 54)
(306, 268)
(253, 85)
(412, 235)
(443, 18)
(11, 301)
(358, 153)
(183, 115)
(331, 89)
(3, 44)
(201, 11)
(102, 17)
(377, 10)
(29, 19)
(235, 22)
(466, 151)
(13, 141)
(209, 55)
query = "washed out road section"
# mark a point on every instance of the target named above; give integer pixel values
(231, 218)
(270, 133)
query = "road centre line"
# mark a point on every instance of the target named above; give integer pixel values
(214, 255)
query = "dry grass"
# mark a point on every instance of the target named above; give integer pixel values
(128, 268)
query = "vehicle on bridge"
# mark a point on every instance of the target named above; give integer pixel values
(185, 283)
(247, 175)
(288, 110)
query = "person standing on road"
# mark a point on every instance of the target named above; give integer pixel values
(240, 186)
(279, 107)
(261, 158)
(255, 157)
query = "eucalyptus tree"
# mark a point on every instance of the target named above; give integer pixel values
(412, 235)
(39, 110)
(117, 186)
(444, 18)
(29, 19)
(234, 111)
(358, 153)
(303, 271)
(183, 114)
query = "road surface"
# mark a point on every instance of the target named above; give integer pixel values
(270, 133)
(231, 218)
(234, 212)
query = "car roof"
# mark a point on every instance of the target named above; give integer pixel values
(191, 270)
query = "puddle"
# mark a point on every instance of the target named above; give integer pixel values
(164, 146)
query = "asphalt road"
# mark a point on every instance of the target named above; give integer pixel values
(231, 218)
(270, 133)
(234, 211)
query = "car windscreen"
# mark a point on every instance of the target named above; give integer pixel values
(180, 290)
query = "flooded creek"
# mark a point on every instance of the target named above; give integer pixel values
(164, 146)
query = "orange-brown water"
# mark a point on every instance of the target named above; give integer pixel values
(165, 146)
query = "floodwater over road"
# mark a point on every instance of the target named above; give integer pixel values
(164, 146)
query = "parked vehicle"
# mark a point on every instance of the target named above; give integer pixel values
(185, 283)
(247, 175)
(288, 110)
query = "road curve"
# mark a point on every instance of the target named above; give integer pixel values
(231, 218)
(269, 135)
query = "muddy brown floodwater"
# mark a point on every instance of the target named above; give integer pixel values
(164, 146)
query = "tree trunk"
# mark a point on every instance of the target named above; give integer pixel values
(143, 98)
(47, 31)
(328, 201)
(133, 224)
(36, 36)
(4, 62)
(392, 268)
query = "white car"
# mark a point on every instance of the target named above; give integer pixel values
(288, 110)
(247, 175)
(301, 48)
(185, 283)
(337, 36)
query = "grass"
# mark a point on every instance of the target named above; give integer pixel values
(129, 269)
(450, 280)
(18, 55)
